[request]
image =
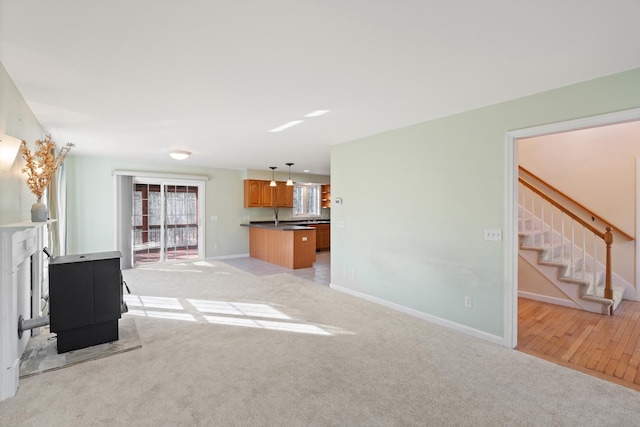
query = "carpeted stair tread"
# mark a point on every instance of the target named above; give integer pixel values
(551, 255)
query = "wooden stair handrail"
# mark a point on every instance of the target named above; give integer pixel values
(575, 217)
(607, 236)
(554, 189)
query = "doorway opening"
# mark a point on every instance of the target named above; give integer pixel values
(511, 204)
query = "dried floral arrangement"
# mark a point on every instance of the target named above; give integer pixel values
(42, 164)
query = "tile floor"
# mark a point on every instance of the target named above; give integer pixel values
(320, 273)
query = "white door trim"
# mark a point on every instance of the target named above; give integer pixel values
(637, 255)
(511, 205)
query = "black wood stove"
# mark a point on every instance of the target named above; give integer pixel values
(85, 296)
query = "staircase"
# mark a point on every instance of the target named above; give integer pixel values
(566, 264)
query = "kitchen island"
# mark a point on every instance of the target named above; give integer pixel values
(290, 246)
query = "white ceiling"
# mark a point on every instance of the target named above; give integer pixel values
(137, 78)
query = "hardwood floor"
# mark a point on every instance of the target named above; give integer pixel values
(605, 346)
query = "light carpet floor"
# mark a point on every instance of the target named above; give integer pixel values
(221, 347)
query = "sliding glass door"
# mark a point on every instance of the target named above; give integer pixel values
(166, 221)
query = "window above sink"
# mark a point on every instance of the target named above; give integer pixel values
(306, 201)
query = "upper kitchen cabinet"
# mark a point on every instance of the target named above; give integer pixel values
(252, 193)
(267, 194)
(325, 196)
(285, 195)
(259, 194)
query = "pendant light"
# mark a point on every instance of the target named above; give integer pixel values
(273, 176)
(289, 181)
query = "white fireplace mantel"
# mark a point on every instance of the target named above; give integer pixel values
(18, 295)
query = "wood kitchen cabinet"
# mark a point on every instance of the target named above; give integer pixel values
(323, 236)
(267, 194)
(288, 247)
(259, 194)
(325, 196)
(285, 195)
(252, 193)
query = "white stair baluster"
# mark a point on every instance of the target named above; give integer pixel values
(562, 237)
(542, 222)
(584, 253)
(594, 263)
(533, 204)
(552, 232)
(573, 245)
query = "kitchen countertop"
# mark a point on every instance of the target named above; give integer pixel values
(280, 227)
(285, 225)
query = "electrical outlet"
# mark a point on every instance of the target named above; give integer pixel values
(494, 235)
(353, 274)
(468, 302)
(344, 271)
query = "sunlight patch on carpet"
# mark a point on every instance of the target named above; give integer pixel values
(238, 308)
(268, 324)
(231, 313)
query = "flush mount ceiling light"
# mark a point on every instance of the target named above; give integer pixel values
(273, 176)
(317, 113)
(289, 181)
(286, 126)
(179, 154)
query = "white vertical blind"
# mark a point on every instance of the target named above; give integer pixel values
(124, 210)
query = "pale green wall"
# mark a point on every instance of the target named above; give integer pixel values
(91, 204)
(16, 120)
(416, 201)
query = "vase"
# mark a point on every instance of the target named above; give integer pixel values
(39, 212)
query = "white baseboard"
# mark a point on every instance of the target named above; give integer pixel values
(226, 257)
(424, 316)
(550, 300)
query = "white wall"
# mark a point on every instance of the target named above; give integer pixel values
(16, 120)
(416, 201)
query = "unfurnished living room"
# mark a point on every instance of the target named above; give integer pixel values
(328, 213)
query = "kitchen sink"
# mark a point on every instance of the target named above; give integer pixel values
(309, 222)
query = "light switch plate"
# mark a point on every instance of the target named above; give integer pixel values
(493, 235)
